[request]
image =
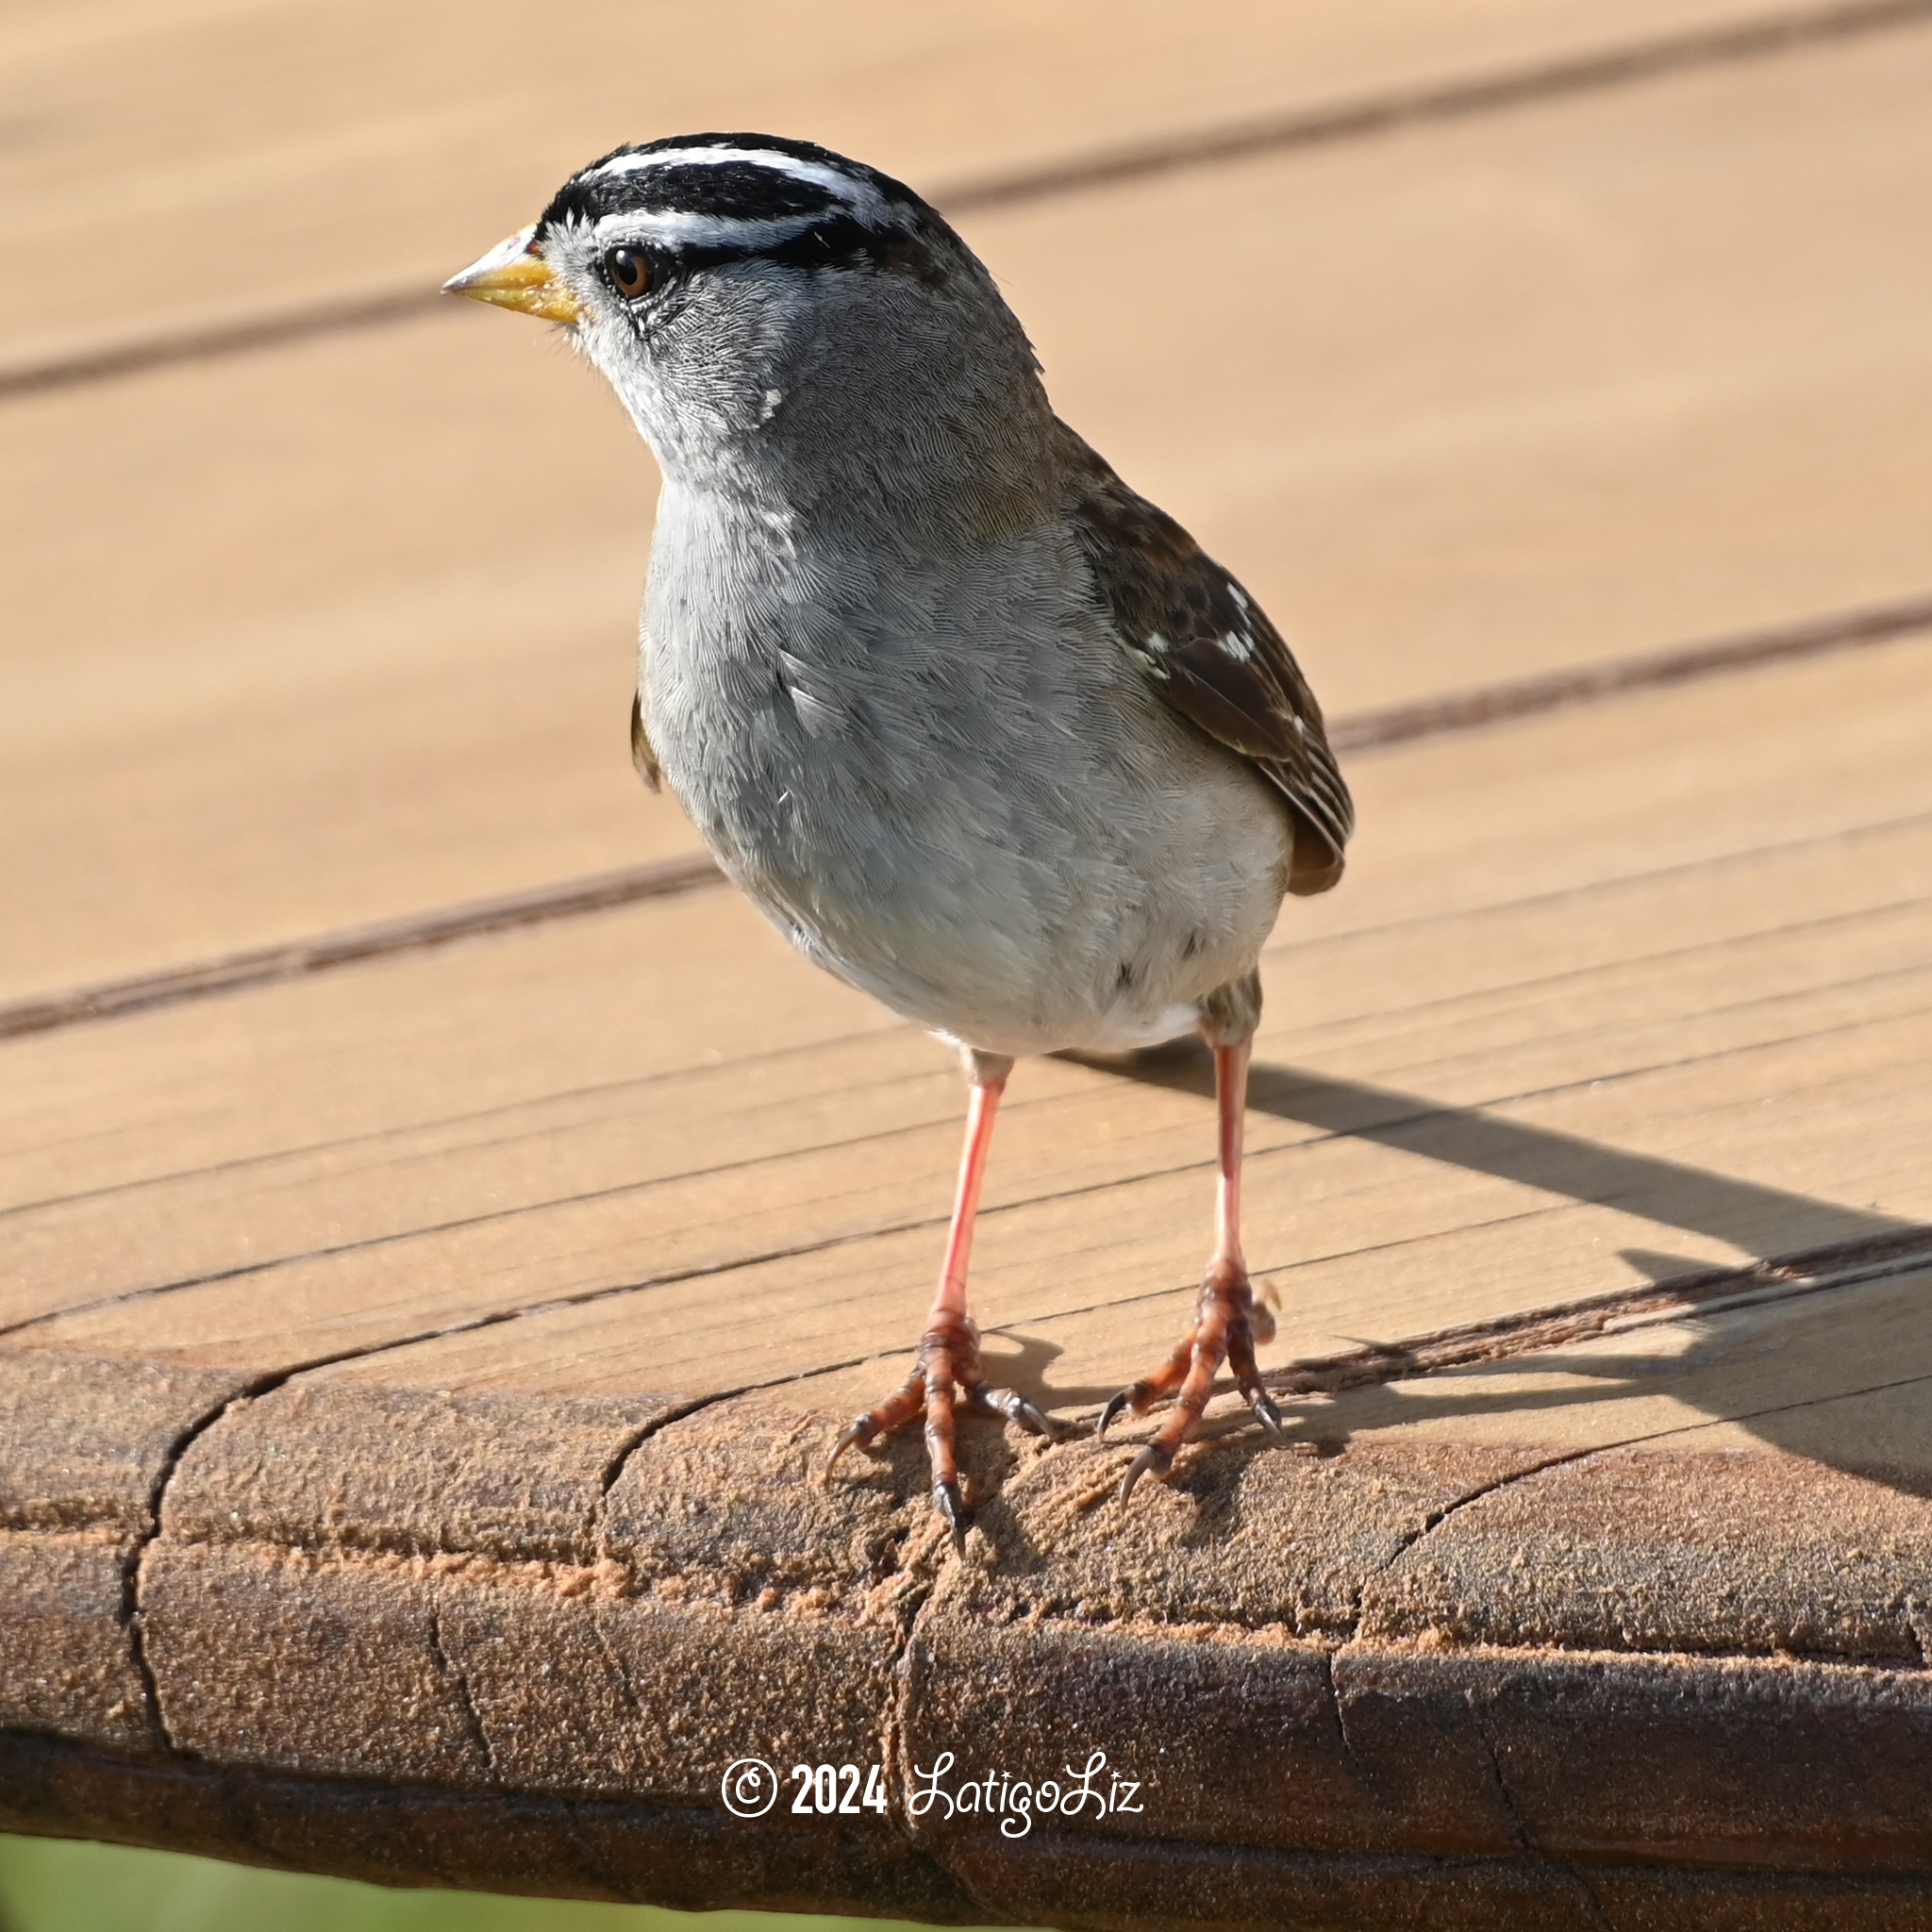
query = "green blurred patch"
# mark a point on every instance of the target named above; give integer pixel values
(54, 1885)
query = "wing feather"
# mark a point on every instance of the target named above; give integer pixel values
(641, 756)
(1210, 651)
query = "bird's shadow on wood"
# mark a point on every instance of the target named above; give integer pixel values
(1719, 1366)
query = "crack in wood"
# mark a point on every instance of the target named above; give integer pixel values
(459, 1681)
(920, 1561)
(609, 1652)
(1800, 1272)
(1560, 690)
(594, 1867)
(1435, 1519)
(1526, 1840)
(1338, 1706)
(217, 340)
(134, 1564)
(634, 1440)
(1519, 1826)
(1593, 1900)
(131, 1615)
(354, 946)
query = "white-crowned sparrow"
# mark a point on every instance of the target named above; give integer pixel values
(979, 729)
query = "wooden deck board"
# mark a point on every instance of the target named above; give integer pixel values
(347, 630)
(414, 1379)
(1716, 1065)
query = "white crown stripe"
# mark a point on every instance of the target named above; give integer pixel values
(679, 227)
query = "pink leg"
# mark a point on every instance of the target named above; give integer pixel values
(948, 1359)
(1226, 1324)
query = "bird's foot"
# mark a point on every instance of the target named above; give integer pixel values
(1228, 1322)
(946, 1376)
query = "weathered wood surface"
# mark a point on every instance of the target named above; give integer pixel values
(415, 1375)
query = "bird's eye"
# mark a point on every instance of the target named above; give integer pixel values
(628, 270)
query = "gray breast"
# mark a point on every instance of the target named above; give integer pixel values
(950, 787)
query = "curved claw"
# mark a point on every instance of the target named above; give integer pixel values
(1014, 1407)
(1034, 1421)
(1115, 1404)
(1268, 1416)
(859, 1433)
(1153, 1458)
(946, 1500)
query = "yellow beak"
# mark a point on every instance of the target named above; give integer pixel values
(515, 276)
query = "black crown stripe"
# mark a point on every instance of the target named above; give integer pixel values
(732, 190)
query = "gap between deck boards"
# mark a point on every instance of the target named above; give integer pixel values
(1361, 118)
(1367, 731)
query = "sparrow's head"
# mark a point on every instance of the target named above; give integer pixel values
(740, 287)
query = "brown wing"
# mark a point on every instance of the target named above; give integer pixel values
(1210, 651)
(641, 756)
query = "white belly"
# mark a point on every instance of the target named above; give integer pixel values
(1009, 839)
